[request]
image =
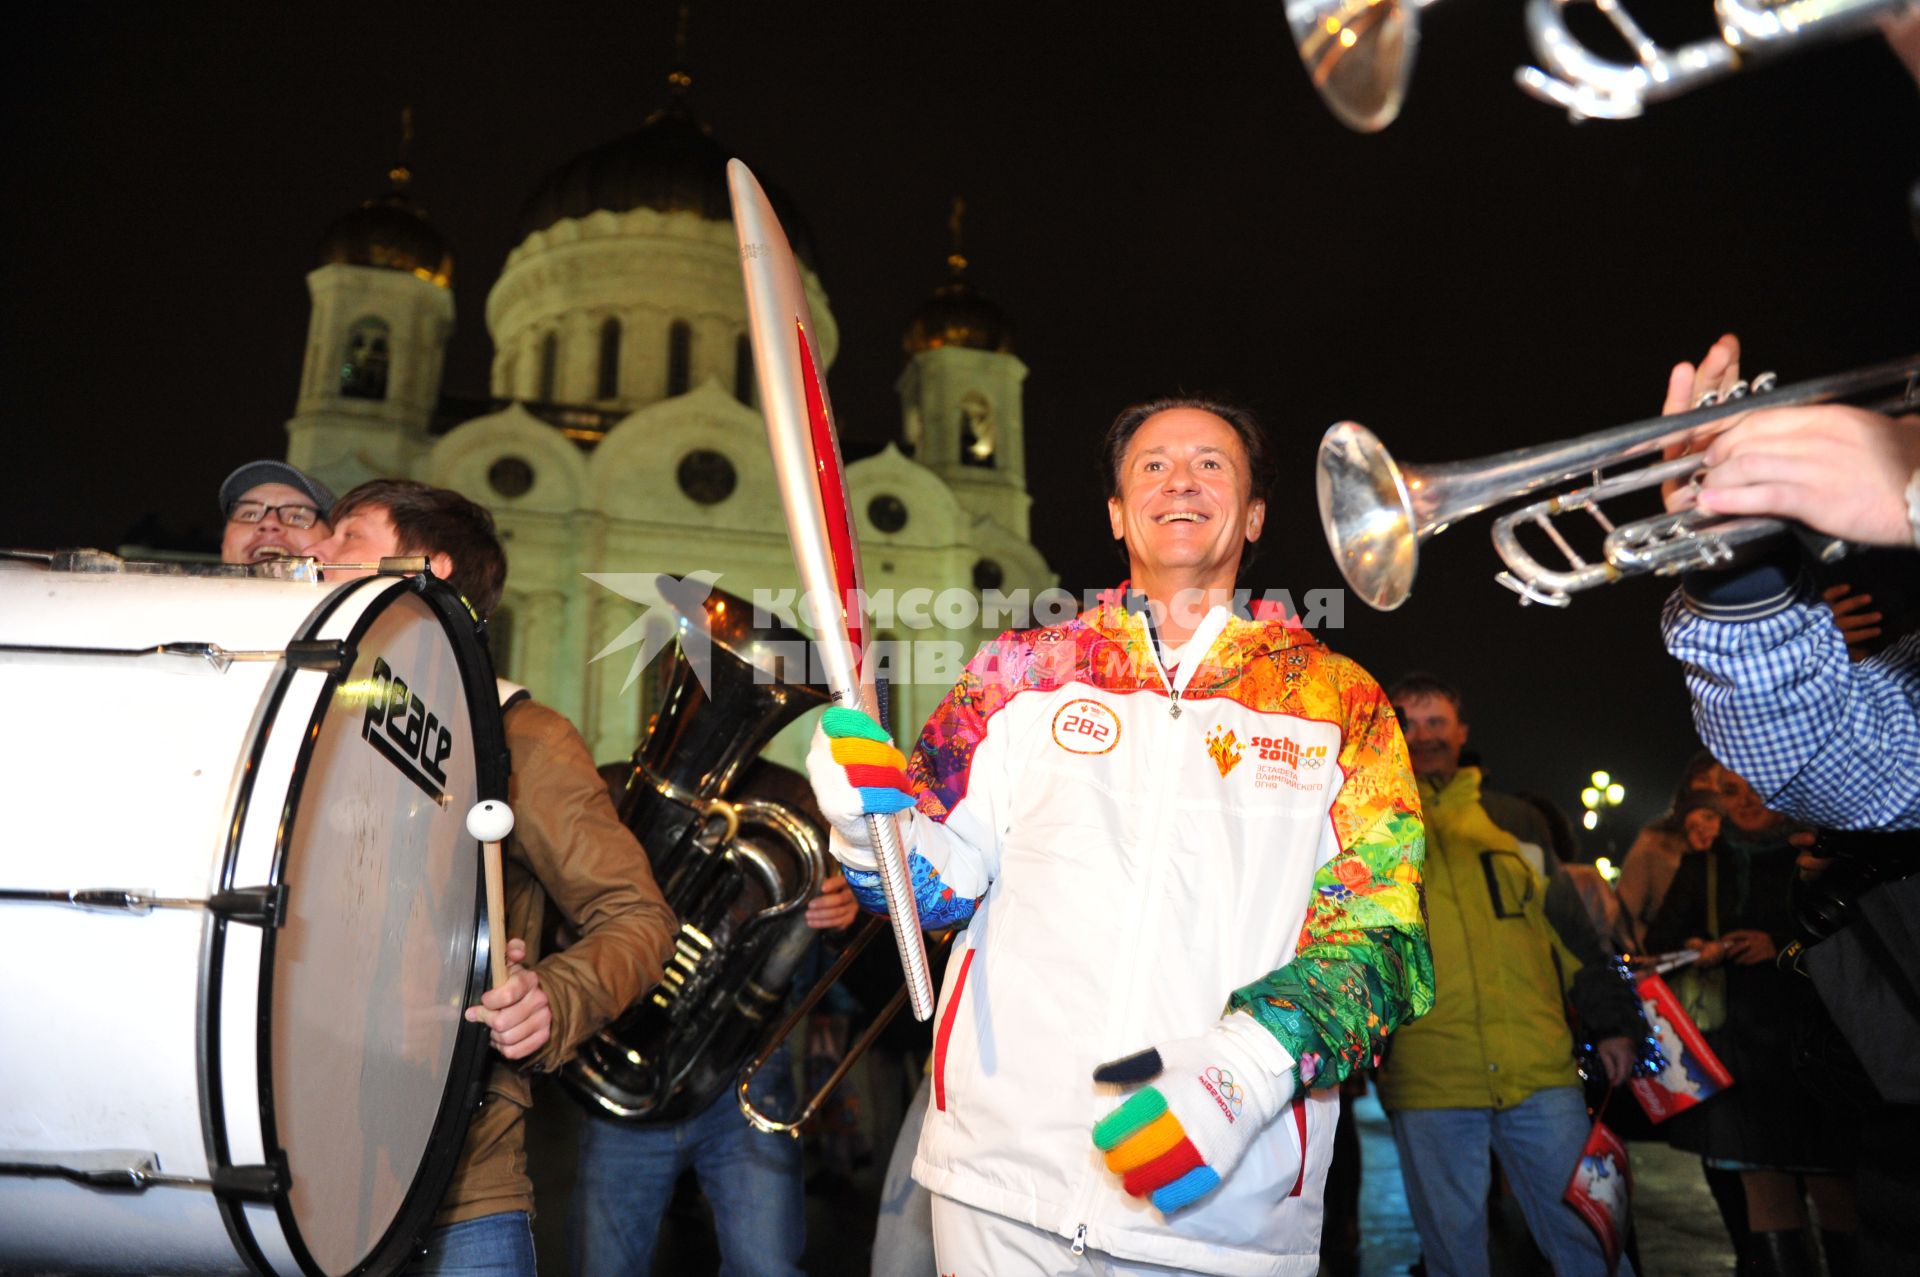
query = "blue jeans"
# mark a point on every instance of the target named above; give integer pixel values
(491, 1246)
(1443, 1159)
(752, 1180)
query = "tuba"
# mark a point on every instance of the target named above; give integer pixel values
(737, 871)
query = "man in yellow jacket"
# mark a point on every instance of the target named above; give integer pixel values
(1491, 1066)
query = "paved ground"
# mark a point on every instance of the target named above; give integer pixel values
(1680, 1233)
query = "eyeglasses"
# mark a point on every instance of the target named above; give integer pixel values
(294, 516)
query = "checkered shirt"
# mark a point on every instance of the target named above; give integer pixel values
(1823, 739)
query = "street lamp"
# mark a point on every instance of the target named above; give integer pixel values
(1600, 796)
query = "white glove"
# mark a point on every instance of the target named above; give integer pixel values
(1211, 1096)
(856, 773)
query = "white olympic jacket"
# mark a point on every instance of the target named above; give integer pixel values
(1135, 856)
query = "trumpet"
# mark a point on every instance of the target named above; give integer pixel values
(1587, 86)
(1359, 53)
(1377, 513)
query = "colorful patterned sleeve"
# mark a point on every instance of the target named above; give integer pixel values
(1362, 967)
(953, 848)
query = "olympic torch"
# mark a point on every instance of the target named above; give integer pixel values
(806, 463)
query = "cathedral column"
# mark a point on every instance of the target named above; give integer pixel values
(540, 624)
(609, 718)
(579, 358)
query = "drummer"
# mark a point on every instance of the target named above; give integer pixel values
(272, 511)
(567, 845)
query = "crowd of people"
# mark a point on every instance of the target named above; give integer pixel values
(1249, 880)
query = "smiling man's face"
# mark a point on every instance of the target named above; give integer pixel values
(1185, 508)
(272, 536)
(1435, 736)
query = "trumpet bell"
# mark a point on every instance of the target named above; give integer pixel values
(1359, 55)
(1367, 512)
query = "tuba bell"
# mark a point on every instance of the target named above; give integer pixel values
(737, 871)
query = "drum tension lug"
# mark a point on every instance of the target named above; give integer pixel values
(250, 1183)
(259, 906)
(328, 655)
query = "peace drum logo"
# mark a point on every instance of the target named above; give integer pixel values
(1086, 727)
(406, 733)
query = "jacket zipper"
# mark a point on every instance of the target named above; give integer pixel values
(1126, 996)
(1079, 1246)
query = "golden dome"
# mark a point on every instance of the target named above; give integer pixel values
(392, 233)
(956, 315)
(671, 163)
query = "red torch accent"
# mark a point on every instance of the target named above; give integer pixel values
(833, 498)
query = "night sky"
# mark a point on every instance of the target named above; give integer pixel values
(1158, 200)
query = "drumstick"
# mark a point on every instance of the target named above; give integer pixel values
(491, 821)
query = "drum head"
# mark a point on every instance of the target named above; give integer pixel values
(384, 941)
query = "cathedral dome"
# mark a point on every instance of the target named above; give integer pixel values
(389, 232)
(956, 315)
(671, 164)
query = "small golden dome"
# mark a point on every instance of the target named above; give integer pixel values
(956, 315)
(392, 233)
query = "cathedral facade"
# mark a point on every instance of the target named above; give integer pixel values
(621, 438)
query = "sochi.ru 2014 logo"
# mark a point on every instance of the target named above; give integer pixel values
(1224, 749)
(1086, 727)
(1289, 752)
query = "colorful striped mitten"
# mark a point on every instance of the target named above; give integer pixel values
(1176, 1140)
(856, 773)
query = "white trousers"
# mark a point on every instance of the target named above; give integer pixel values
(968, 1242)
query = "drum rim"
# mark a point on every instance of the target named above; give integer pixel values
(466, 1074)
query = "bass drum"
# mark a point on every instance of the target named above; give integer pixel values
(244, 916)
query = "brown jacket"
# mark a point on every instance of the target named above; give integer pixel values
(1645, 874)
(567, 845)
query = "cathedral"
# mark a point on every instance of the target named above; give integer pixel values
(622, 436)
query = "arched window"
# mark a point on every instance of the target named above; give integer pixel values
(363, 364)
(549, 365)
(979, 432)
(679, 358)
(743, 387)
(609, 360)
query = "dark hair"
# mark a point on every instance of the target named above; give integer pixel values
(431, 520)
(1252, 435)
(1420, 683)
(1697, 766)
(1674, 821)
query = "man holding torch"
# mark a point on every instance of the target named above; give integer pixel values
(1186, 847)
(1185, 844)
